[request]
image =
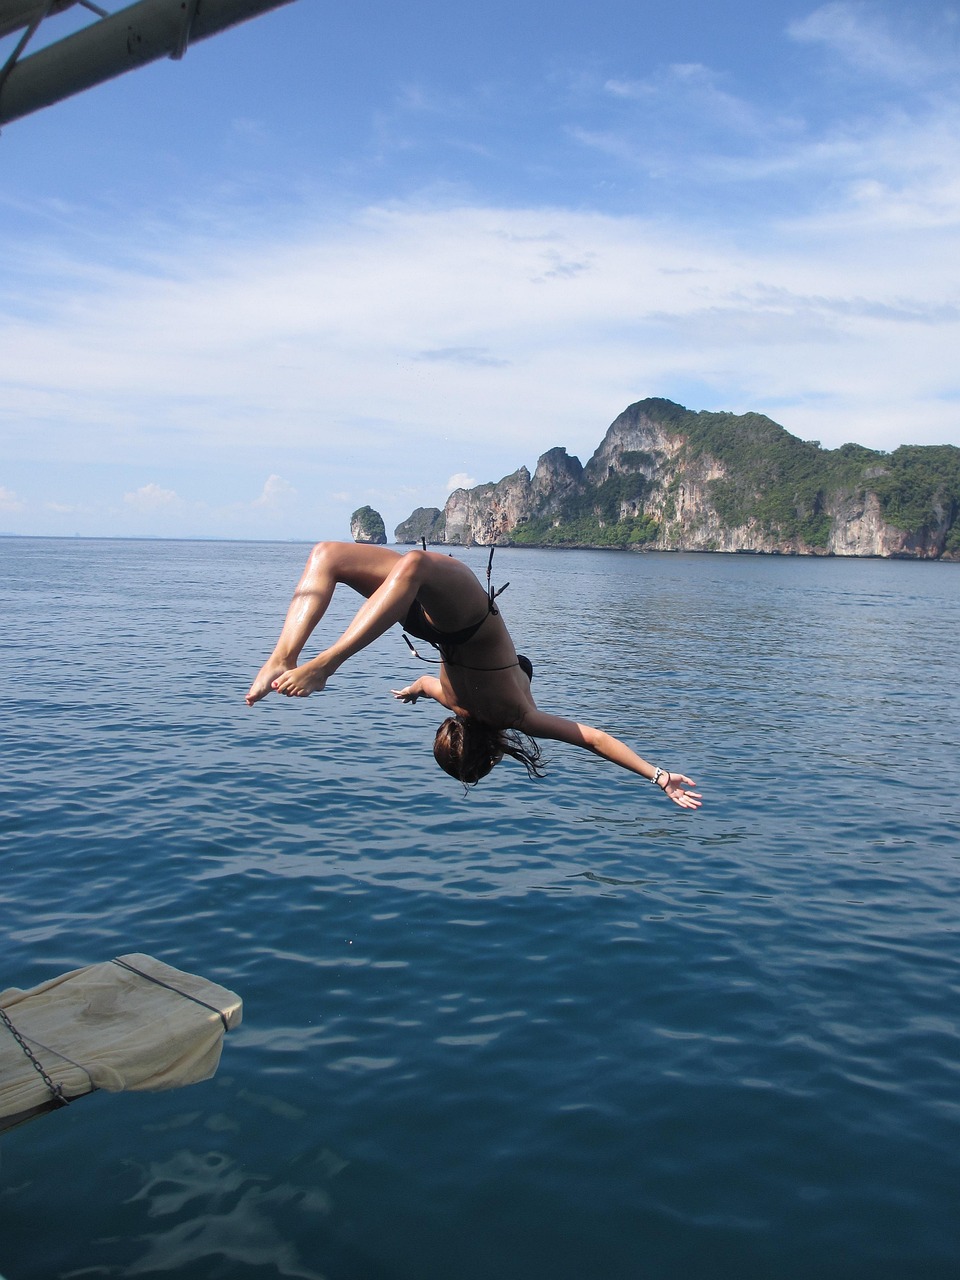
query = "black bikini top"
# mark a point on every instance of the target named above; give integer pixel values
(418, 624)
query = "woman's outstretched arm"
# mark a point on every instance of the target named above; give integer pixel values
(538, 724)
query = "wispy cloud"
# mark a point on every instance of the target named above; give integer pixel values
(878, 142)
(861, 36)
(478, 357)
(692, 89)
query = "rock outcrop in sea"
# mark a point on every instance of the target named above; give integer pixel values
(366, 525)
(425, 524)
(670, 479)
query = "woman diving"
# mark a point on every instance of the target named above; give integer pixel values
(482, 680)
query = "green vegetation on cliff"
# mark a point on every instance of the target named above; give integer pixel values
(789, 487)
(773, 479)
(920, 488)
(585, 531)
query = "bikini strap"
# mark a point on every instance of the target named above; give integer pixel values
(410, 645)
(491, 594)
(491, 608)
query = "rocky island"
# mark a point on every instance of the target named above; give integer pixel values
(666, 478)
(366, 525)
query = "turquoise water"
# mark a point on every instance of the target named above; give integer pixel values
(546, 1031)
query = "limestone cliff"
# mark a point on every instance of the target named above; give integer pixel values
(667, 478)
(489, 513)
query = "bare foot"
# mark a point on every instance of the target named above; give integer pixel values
(300, 682)
(263, 683)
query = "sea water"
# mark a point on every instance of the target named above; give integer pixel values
(547, 1030)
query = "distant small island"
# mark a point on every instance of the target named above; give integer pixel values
(366, 525)
(666, 478)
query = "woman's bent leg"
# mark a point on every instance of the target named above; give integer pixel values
(389, 603)
(362, 567)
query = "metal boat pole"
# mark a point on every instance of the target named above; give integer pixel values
(113, 44)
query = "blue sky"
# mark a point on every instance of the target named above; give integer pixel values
(361, 254)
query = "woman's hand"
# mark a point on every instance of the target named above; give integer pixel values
(678, 793)
(425, 687)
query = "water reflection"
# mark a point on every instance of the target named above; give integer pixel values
(209, 1209)
(218, 1211)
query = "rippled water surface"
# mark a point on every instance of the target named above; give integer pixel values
(547, 1031)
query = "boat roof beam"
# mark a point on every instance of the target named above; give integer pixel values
(107, 47)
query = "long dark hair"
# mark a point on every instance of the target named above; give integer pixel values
(468, 750)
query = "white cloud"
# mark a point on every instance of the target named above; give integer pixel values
(460, 481)
(276, 491)
(9, 500)
(310, 348)
(151, 497)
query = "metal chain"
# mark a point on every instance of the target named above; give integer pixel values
(55, 1089)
